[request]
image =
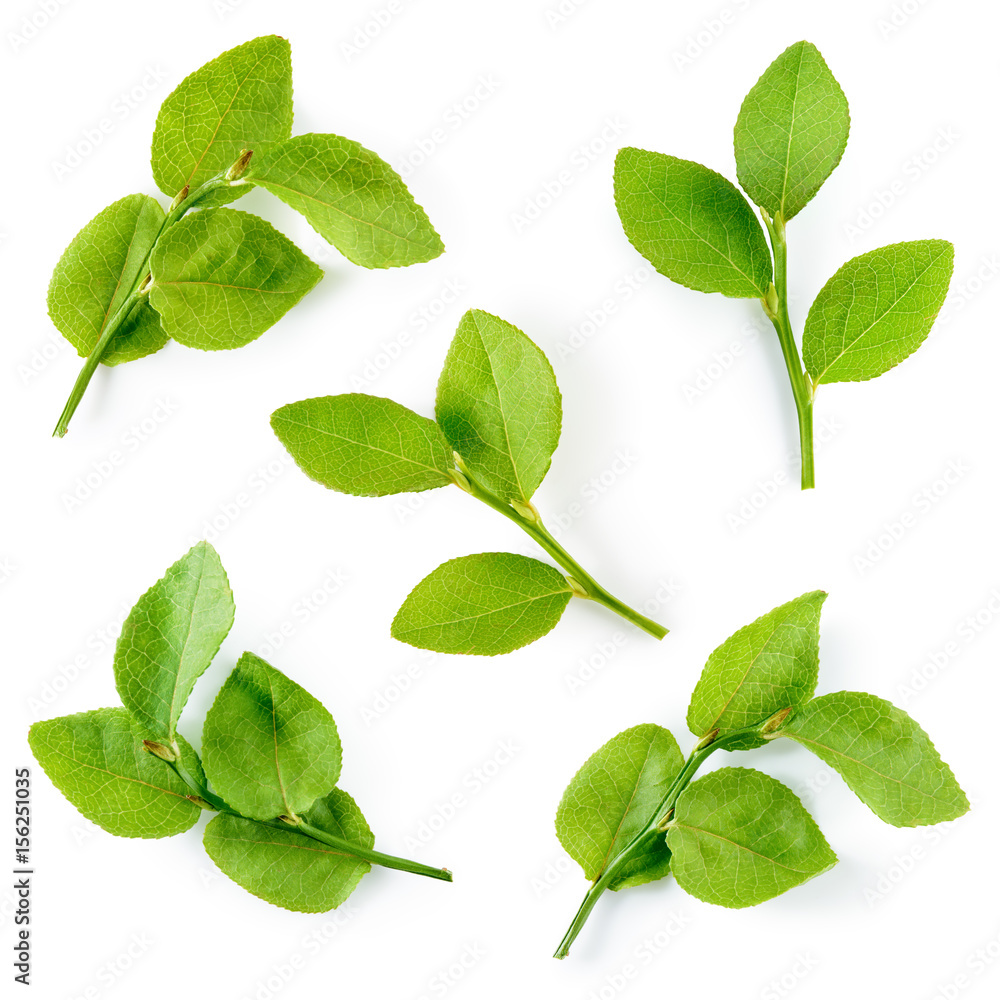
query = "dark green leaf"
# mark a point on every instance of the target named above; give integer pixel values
(170, 637)
(740, 838)
(613, 797)
(287, 868)
(95, 275)
(270, 748)
(766, 666)
(691, 224)
(221, 278)
(96, 759)
(499, 405)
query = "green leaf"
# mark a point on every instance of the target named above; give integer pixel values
(95, 275)
(691, 224)
(791, 131)
(766, 666)
(237, 100)
(887, 760)
(170, 637)
(270, 748)
(350, 196)
(96, 759)
(287, 868)
(876, 310)
(490, 603)
(612, 798)
(741, 837)
(499, 405)
(221, 278)
(367, 446)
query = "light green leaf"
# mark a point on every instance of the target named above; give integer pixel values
(221, 278)
(367, 446)
(239, 99)
(350, 196)
(887, 760)
(766, 666)
(876, 311)
(95, 275)
(613, 797)
(791, 131)
(270, 748)
(691, 224)
(96, 759)
(170, 637)
(499, 405)
(490, 603)
(286, 868)
(741, 837)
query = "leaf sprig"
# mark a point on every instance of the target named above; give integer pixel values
(695, 227)
(135, 276)
(271, 754)
(737, 837)
(499, 415)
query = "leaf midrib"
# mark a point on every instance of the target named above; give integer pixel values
(878, 319)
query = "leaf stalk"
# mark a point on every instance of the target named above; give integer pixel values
(526, 517)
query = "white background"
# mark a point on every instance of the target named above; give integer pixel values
(905, 911)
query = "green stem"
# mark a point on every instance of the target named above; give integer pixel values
(584, 585)
(314, 833)
(375, 857)
(777, 313)
(654, 827)
(112, 326)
